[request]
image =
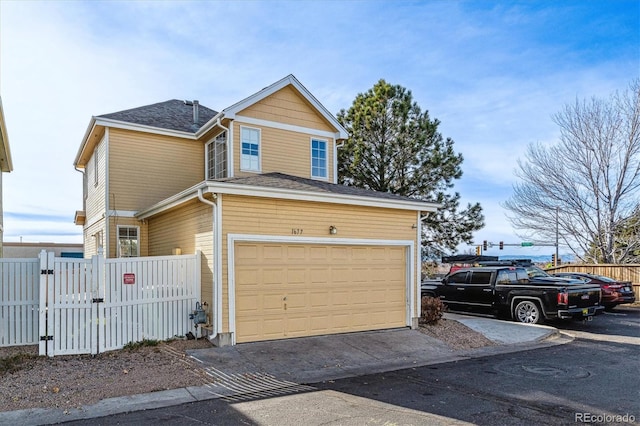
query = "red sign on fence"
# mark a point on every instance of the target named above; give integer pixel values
(129, 278)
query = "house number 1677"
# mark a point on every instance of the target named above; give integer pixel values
(296, 231)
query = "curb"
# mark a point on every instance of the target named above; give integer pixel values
(168, 398)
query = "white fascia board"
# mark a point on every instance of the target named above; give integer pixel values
(83, 144)
(289, 127)
(290, 194)
(143, 128)
(286, 194)
(121, 213)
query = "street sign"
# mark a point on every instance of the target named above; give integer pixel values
(526, 244)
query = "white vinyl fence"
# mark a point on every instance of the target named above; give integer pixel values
(77, 306)
(19, 301)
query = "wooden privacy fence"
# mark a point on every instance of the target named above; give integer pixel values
(77, 306)
(624, 272)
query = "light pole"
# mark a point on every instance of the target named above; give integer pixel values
(555, 262)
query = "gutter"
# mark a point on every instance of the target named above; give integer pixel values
(216, 303)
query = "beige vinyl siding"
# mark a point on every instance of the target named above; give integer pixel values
(282, 151)
(95, 203)
(265, 216)
(96, 199)
(288, 106)
(145, 168)
(188, 227)
(90, 247)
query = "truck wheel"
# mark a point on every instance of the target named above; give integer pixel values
(527, 312)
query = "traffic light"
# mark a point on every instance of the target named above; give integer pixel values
(484, 245)
(553, 259)
(478, 250)
(501, 245)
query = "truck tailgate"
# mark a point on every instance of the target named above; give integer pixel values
(583, 296)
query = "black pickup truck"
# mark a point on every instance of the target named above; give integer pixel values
(510, 291)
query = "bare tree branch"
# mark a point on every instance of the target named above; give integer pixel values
(592, 176)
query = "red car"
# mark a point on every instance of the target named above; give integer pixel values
(613, 292)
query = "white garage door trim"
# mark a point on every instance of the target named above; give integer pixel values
(233, 238)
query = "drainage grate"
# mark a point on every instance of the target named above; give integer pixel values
(233, 387)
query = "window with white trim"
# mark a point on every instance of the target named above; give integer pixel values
(96, 164)
(318, 158)
(128, 241)
(250, 149)
(217, 157)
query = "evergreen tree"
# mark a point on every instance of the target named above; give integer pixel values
(395, 147)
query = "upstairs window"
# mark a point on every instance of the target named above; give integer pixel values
(96, 164)
(250, 149)
(128, 241)
(217, 157)
(318, 158)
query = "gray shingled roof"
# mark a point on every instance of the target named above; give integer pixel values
(283, 181)
(173, 115)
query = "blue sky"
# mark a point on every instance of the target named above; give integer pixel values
(492, 72)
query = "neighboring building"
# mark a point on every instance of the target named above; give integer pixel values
(32, 250)
(5, 167)
(286, 252)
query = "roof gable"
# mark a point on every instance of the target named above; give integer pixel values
(288, 106)
(289, 80)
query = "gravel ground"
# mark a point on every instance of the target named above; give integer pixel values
(65, 382)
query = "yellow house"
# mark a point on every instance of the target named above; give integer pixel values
(5, 167)
(286, 252)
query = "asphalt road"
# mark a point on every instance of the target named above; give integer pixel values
(595, 378)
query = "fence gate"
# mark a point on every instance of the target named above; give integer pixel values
(69, 315)
(94, 305)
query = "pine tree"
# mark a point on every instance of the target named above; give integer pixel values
(395, 147)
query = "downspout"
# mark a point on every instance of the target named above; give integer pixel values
(216, 303)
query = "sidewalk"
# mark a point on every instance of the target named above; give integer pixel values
(287, 366)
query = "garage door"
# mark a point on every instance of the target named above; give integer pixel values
(294, 290)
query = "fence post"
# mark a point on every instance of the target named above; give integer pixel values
(45, 320)
(42, 320)
(97, 291)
